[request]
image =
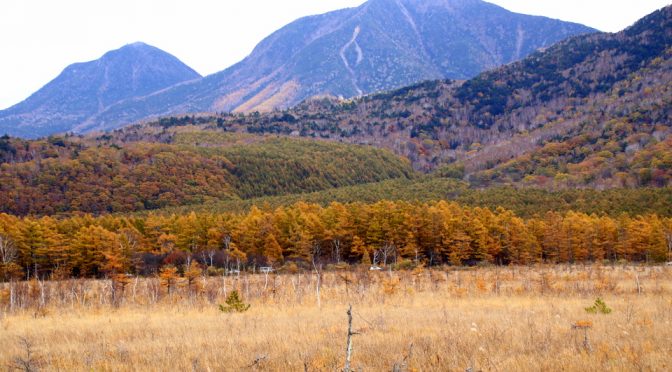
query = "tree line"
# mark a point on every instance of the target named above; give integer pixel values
(383, 233)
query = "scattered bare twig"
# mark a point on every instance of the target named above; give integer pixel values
(258, 360)
(403, 365)
(29, 362)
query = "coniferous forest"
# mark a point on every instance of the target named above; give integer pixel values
(400, 234)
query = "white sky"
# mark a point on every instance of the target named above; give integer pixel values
(39, 38)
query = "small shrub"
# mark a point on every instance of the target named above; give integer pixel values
(391, 286)
(598, 307)
(290, 268)
(404, 265)
(215, 271)
(418, 270)
(341, 266)
(234, 304)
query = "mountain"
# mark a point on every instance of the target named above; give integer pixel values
(380, 45)
(85, 89)
(591, 111)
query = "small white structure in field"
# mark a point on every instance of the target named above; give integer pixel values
(375, 268)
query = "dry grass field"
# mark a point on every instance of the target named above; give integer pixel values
(490, 319)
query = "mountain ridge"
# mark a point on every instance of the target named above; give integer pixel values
(340, 49)
(380, 45)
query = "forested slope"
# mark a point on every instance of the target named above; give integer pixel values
(64, 175)
(525, 201)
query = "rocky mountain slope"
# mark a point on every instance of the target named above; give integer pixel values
(85, 89)
(381, 45)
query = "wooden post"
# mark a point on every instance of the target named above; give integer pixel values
(348, 349)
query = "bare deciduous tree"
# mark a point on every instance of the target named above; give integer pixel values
(376, 257)
(226, 241)
(210, 253)
(8, 250)
(315, 254)
(8, 254)
(336, 250)
(388, 250)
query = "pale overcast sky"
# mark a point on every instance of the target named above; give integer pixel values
(41, 37)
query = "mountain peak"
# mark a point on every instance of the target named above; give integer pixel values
(138, 49)
(430, 3)
(423, 6)
(84, 89)
(137, 44)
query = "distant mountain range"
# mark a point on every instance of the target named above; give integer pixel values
(380, 45)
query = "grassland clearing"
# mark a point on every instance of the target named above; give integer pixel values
(500, 319)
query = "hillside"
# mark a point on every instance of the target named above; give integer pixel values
(593, 110)
(187, 167)
(524, 202)
(85, 89)
(381, 45)
(71, 174)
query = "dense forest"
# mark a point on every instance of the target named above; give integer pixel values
(525, 202)
(70, 174)
(192, 169)
(384, 233)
